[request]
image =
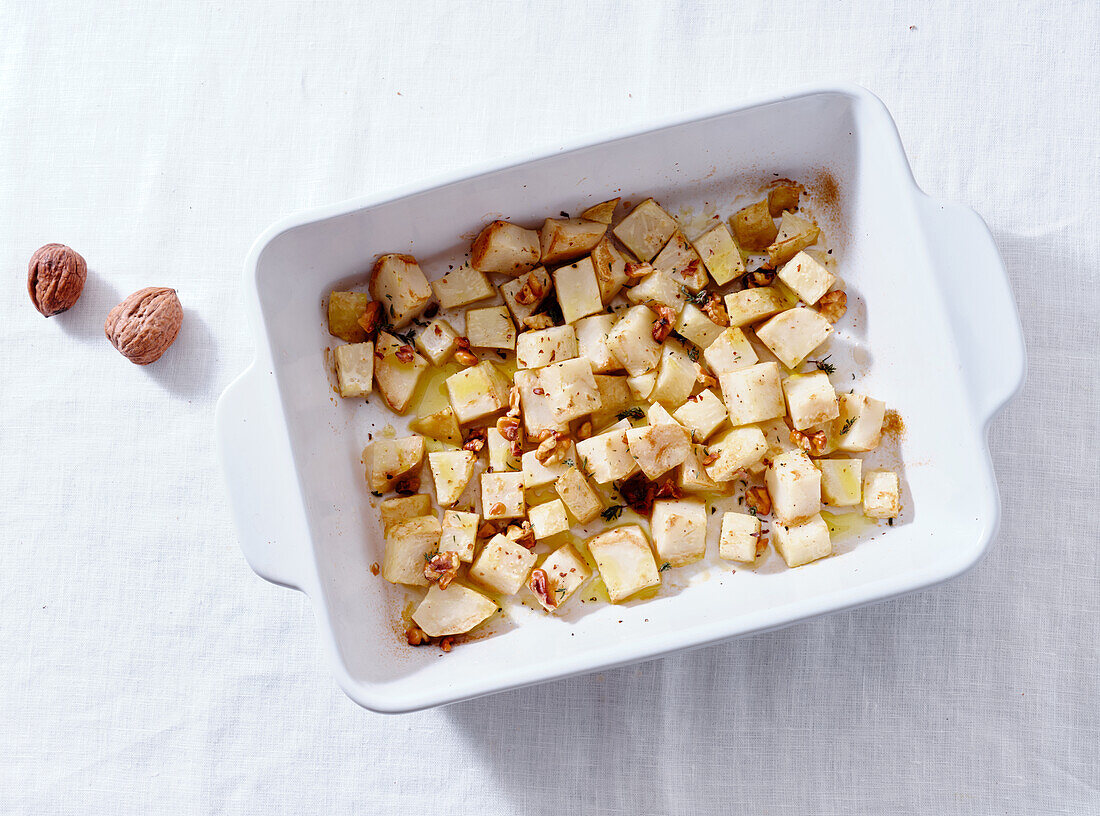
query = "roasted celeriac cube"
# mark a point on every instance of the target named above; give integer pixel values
(462, 286)
(409, 544)
(451, 472)
(387, 460)
(537, 474)
(657, 414)
(565, 239)
(679, 530)
(582, 502)
(490, 328)
(753, 227)
(811, 399)
(642, 385)
(803, 542)
(692, 324)
(452, 611)
(778, 436)
(794, 235)
(537, 404)
(881, 494)
(606, 456)
(398, 284)
(753, 305)
(577, 290)
(737, 449)
(615, 397)
(794, 485)
(397, 371)
(566, 572)
(459, 533)
(692, 476)
(681, 262)
(783, 198)
(740, 532)
(752, 394)
(675, 375)
(526, 293)
(548, 519)
(535, 349)
(631, 341)
(625, 561)
(500, 451)
(437, 341)
(502, 495)
(841, 481)
(701, 414)
(660, 287)
(658, 448)
(506, 248)
(806, 278)
(404, 508)
(502, 565)
(792, 335)
(441, 425)
(477, 391)
(602, 212)
(344, 311)
(860, 422)
(592, 342)
(730, 351)
(355, 369)
(646, 229)
(571, 387)
(720, 255)
(610, 267)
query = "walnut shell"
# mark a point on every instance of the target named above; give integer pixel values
(144, 325)
(55, 278)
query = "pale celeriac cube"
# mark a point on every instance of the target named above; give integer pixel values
(625, 561)
(441, 425)
(841, 481)
(602, 212)
(565, 239)
(355, 369)
(881, 494)
(403, 508)
(490, 328)
(537, 404)
(502, 565)
(452, 611)
(803, 542)
(500, 451)
(806, 278)
(571, 387)
(459, 533)
(387, 460)
(631, 341)
(753, 305)
(437, 341)
(610, 267)
(730, 351)
(675, 375)
(642, 385)
(451, 472)
(860, 422)
(794, 235)
(548, 519)
(692, 476)
(615, 397)
(592, 342)
(525, 294)
(344, 311)
(646, 229)
(794, 485)
(409, 544)
(566, 572)
(737, 542)
(502, 495)
(535, 349)
(657, 414)
(537, 474)
(679, 530)
(506, 248)
(752, 394)
(398, 284)
(694, 325)
(577, 290)
(702, 414)
(778, 436)
(737, 449)
(462, 286)
(720, 255)
(580, 499)
(753, 226)
(477, 392)
(681, 262)
(606, 456)
(811, 399)
(658, 448)
(792, 335)
(660, 287)
(397, 378)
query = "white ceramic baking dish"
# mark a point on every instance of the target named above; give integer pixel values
(933, 331)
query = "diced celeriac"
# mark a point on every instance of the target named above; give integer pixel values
(565, 239)
(396, 378)
(387, 460)
(792, 335)
(803, 542)
(740, 533)
(592, 342)
(502, 565)
(675, 375)
(355, 369)
(679, 530)
(548, 518)
(537, 404)
(441, 425)
(577, 290)
(794, 485)
(642, 385)
(625, 561)
(692, 475)
(506, 248)
(841, 481)
(502, 495)
(477, 391)
(778, 436)
(525, 294)
(535, 349)
(490, 328)
(437, 341)
(566, 572)
(606, 456)
(737, 449)
(571, 388)
(500, 451)
(794, 235)
(645, 230)
(681, 262)
(806, 278)
(398, 284)
(602, 212)
(658, 448)
(660, 287)
(657, 414)
(860, 422)
(810, 398)
(631, 341)
(452, 611)
(578, 496)
(753, 226)
(720, 255)
(610, 267)
(881, 494)
(451, 472)
(459, 533)
(701, 414)
(753, 305)
(537, 474)
(752, 394)
(462, 286)
(344, 311)
(409, 544)
(404, 508)
(692, 324)
(730, 351)
(615, 397)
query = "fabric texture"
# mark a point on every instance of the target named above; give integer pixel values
(145, 669)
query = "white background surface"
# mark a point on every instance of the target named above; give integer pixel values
(144, 668)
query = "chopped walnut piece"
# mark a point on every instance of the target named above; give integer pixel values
(513, 401)
(431, 311)
(497, 508)
(416, 636)
(638, 493)
(666, 317)
(761, 544)
(475, 440)
(585, 430)
(715, 309)
(405, 353)
(532, 291)
(759, 500)
(375, 569)
(447, 643)
(487, 530)
(371, 318)
(704, 378)
(553, 448)
(814, 442)
(522, 533)
(833, 305)
(442, 568)
(709, 458)
(760, 277)
(467, 358)
(538, 321)
(668, 490)
(539, 583)
(407, 486)
(637, 270)
(508, 427)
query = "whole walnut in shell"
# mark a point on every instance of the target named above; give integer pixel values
(55, 278)
(144, 325)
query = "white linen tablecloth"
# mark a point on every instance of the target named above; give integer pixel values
(145, 669)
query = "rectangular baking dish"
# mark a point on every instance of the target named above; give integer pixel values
(934, 332)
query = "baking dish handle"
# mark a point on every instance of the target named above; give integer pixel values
(979, 301)
(264, 494)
